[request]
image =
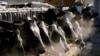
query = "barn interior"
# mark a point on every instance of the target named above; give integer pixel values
(49, 28)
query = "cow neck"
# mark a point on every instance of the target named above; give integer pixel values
(36, 32)
(43, 26)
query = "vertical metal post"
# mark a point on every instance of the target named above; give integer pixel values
(97, 9)
(97, 6)
(61, 2)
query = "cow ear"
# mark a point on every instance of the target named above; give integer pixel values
(70, 7)
(29, 4)
(94, 14)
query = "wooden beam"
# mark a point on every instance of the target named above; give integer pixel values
(56, 2)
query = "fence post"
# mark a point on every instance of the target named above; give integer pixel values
(97, 9)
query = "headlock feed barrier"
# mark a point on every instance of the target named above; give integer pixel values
(42, 29)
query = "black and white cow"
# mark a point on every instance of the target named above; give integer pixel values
(84, 16)
(19, 35)
(88, 13)
(50, 16)
(32, 35)
(8, 37)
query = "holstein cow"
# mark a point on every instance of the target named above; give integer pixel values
(89, 14)
(72, 15)
(65, 26)
(81, 15)
(19, 37)
(50, 16)
(44, 33)
(57, 36)
(8, 37)
(33, 41)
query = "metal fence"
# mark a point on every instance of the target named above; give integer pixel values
(20, 1)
